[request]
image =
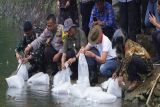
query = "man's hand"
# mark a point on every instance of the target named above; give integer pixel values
(63, 66)
(121, 82)
(27, 49)
(18, 56)
(82, 50)
(114, 75)
(24, 60)
(152, 19)
(71, 60)
(90, 54)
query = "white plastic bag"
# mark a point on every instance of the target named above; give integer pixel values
(62, 89)
(78, 91)
(15, 81)
(62, 77)
(91, 90)
(101, 97)
(62, 82)
(22, 71)
(83, 72)
(39, 79)
(106, 84)
(112, 87)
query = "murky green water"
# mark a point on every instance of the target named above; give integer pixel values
(8, 37)
(35, 96)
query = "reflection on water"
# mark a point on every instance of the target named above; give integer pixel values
(40, 95)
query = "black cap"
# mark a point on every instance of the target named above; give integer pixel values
(27, 26)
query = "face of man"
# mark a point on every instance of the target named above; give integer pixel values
(71, 31)
(29, 33)
(100, 6)
(51, 25)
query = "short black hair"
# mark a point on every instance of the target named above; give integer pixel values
(99, 1)
(27, 26)
(51, 16)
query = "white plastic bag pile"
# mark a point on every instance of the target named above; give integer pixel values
(62, 82)
(82, 89)
(17, 81)
(39, 79)
(95, 94)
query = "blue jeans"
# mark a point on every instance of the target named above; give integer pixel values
(152, 7)
(109, 67)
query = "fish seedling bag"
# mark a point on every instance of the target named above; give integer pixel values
(39, 79)
(22, 71)
(78, 90)
(112, 87)
(62, 82)
(15, 81)
(83, 72)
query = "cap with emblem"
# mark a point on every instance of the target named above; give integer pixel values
(68, 23)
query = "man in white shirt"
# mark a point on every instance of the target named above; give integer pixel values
(107, 58)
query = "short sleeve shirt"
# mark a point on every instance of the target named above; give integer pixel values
(106, 46)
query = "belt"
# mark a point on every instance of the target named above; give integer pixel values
(113, 58)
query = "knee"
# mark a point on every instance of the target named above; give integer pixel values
(106, 72)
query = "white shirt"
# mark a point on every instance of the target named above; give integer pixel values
(106, 46)
(125, 1)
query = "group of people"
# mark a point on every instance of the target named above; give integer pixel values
(62, 41)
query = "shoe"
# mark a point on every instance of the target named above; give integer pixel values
(132, 86)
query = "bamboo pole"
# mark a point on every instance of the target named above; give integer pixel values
(149, 97)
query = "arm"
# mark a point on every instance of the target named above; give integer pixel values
(37, 42)
(63, 60)
(41, 39)
(101, 59)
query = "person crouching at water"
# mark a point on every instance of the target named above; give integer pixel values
(74, 41)
(51, 37)
(137, 61)
(99, 50)
(34, 57)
